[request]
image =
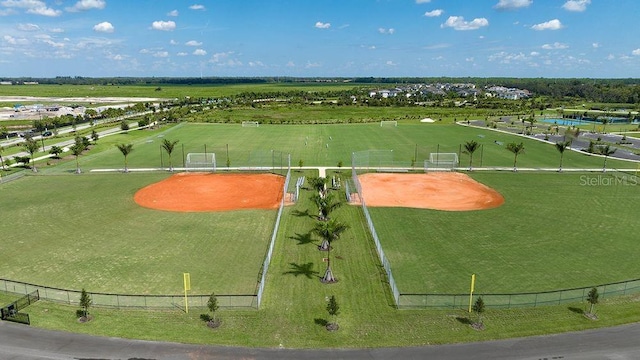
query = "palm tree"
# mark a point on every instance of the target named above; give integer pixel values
(32, 147)
(605, 150)
(168, 146)
(318, 184)
(561, 146)
(325, 204)
(469, 148)
(125, 149)
(516, 149)
(329, 231)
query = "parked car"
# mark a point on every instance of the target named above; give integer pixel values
(47, 133)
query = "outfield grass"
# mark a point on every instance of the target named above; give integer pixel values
(554, 231)
(86, 231)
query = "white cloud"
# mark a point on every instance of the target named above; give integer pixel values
(256, 64)
(534, 53)
(28, 27)
(36, 7)
(596, 45)
(199, 52)
(512, 4)
(57, 30)
(555, 46)
(193, 43)
(506, 58)
(458, 23)
(225, 59)
(163, 25)
(434, 13)
(161, 54)
(576, 5)
(182, 53)
(611, 57)
(84, 5)
(15, 41)
(423, 1)
(104, 27)
(290, 64)
(636, 52)
(197, 7)
(386, 31)
(469, 59)
(173, 13)
(554, 24)
(173, 42)
(116, 57)
(390, 63)
(321, 25)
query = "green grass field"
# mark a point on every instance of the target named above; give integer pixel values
(554, 231)
(326, 145)
(86, 231)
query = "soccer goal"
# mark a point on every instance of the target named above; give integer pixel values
(250, 124)
(201, 162)
(388, 123)
(441, 161)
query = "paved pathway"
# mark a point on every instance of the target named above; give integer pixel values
(20, 342)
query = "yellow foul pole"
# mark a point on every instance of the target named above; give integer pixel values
(473, 283)
(187, 286)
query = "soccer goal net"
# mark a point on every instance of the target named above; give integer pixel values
(201, 161)
(388, 123)
(444, 161)
(250, 124)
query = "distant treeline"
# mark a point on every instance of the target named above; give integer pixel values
(597, 90)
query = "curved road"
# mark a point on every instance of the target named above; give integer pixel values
(20, 342)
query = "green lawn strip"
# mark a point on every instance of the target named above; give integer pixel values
(116, 246)
(550, 226)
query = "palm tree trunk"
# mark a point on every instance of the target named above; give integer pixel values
(561, 157)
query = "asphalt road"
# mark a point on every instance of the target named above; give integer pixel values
(21, 342)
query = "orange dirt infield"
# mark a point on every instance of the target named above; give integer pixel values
(439, 191)
(197, 192)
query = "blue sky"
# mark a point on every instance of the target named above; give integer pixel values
(380, 38)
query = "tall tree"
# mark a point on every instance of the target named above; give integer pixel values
(516, 149)
(318, 183)
(168, 146)
(326, 204)
(329, 231)
(561, 146)
(32, 147)
(85, 301)
(607, 151)
(469, 148)
(125, 149)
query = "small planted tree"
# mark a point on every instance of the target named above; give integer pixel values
(478, 309)
(85, 303)
(55, 151)
(94, 136)
(333, 309)
(212, 305)
(32, 147)
(592, 299)
(76, 150)
(1, 159)
(300, 164)
(516, 149)
(169, 146)
(124, 125)
(125, 149)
